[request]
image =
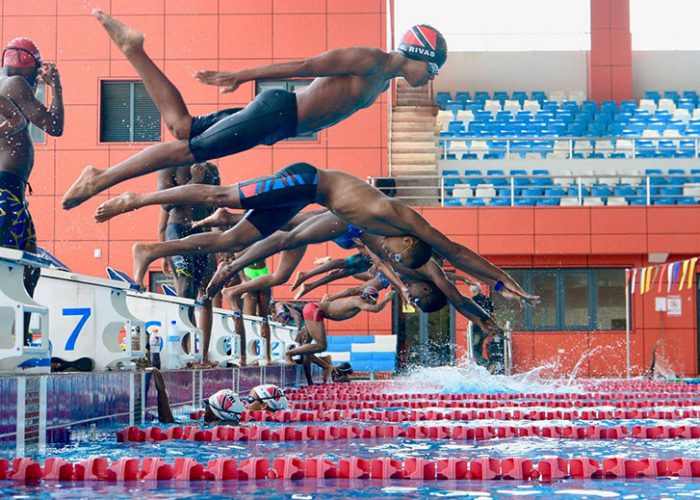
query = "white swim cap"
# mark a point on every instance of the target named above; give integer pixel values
(272, 395)
(226, 405)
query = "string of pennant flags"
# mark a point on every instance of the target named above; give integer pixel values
(678, 274)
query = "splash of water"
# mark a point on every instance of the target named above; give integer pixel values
(579, 363)
(469, 377)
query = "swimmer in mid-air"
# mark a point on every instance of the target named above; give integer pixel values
(345, 81)
(272, 201)
(224, 405)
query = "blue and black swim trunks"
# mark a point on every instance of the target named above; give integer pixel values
(274, 200)
(16, 225)
(345, 241)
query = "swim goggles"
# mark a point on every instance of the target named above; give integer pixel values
(37, 62)
(252, 399)
(433, 68)
(398, 256)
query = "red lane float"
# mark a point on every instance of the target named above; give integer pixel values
(313, 433)
(258, 468)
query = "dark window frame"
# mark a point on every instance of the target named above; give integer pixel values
(558, 283)
(133, 121)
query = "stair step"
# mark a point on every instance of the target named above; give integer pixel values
(427, 121)
(414, 136)
(422, 110)
(408, 127)
(414, 158)
(411, 148)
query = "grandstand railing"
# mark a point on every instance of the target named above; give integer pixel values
(632, 146)
(541, 190)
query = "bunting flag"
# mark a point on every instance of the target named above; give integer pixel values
(656, 275)
(680, 273)
(691, 271)
(661, 277)
(669, 277)
(683, 274)
(648, 283)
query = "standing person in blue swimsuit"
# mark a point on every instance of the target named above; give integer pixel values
(345, 81)
(21, 68)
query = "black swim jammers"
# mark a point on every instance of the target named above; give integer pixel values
(270, 117)
(272, 201)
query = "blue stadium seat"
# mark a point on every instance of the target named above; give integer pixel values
(500, 202)
(475, 202)
(519, 181)
(441, 99)
(525, 202)
(492, 156)
(626, 191)
(655, 176)
(452, 202)
(548, 202)
(469, 156)
(686, 200)
(500, 95)
(454, 106)
(671, 192)
(496, 177)
(541, 178)
(601, 191)
(690, 94)
(520, 96)
(638, 201)
(481, 95)
(555, 192)
(538, 95)
(677, 180)
(652, 94)
(572, 190)
(671, 94)
(663, 201)
(463, 96)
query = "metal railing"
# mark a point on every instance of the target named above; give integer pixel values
(530, 190)
(506, 147)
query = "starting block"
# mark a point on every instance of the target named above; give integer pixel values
(14, 303)
(225, 344)
(90, 318)
(283, 338)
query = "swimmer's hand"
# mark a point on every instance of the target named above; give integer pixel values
(49, 74)
(230, 81)
(523, 298)
(489, 326)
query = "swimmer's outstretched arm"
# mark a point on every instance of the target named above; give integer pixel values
(468, 261)
(359, 61)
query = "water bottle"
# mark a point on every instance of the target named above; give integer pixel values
(154, 346)
(172, 347)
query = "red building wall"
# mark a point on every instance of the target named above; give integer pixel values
(183, 36)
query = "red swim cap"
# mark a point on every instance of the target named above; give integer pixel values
(21, 53)
(424, 43)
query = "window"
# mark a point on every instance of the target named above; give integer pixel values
(501, 25)
(38, 136)
(289, 86)
(570, 299)
(127, 113)
(667, 25)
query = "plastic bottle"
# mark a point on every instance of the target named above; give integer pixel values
(154, 346)
(172, 347)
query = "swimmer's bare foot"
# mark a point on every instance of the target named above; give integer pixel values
(288, 359)
(121, 204)
(143, 256)
(327, 372)
(298, 279)
(84, 188)
(302, 291)
(221, 277)
(221, 217)
(127, 39)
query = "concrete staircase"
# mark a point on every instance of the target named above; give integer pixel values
(413, 144)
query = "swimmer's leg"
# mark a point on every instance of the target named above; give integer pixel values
(334, 275)
(325, 267)
(236, 238)
(165, 413)
(289, 260)
(317, 330)
(165, 95)
(263, 307)
(188, 194)
(31, 278)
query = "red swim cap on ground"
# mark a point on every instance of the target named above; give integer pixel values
(424, 43)
(21, 53)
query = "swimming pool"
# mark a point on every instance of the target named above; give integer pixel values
(402, 439)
